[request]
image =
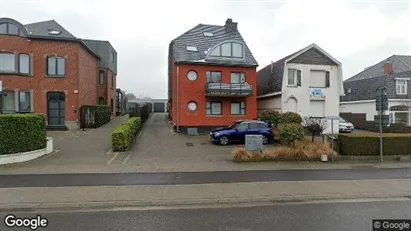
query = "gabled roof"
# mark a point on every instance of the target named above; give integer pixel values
(400, 63)
(195, 37)
(270, 78)
(43, 28)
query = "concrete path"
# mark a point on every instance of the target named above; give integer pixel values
(173, 195)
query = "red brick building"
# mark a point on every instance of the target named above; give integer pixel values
(212, 78)
(45, 69)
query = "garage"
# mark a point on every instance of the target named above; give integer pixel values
(159, 107)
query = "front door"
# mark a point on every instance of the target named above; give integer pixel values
(56, 103)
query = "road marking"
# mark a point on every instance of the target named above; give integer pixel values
(139, 134)
(112, 158)
(127, 158)
(52, 154)
(108, 152)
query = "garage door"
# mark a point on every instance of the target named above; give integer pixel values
(317, 108)
(159, 107)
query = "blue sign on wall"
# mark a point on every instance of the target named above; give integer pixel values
(317, 94)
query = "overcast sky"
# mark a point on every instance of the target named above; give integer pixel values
(357, 33)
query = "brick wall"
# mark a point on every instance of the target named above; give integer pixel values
(88, 74)
(40, 83)
(195, 91)
(111, 90)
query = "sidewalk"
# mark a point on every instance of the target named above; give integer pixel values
(27, 199)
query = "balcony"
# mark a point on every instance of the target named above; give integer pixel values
(228, 89)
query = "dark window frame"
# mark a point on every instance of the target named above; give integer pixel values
(211, 72)
(241, 107)
(326, 78)
(238, 72)
(29, 100)
(112, 80)
(231, 51)
(56, 58)
(101, 80)
(19, 32)
(16, 66)
(211, 107)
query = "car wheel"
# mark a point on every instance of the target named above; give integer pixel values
(224, 140)
(265, 140)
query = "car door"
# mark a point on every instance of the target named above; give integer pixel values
(241, 131)
(254, 129)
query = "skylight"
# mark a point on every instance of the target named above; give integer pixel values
(208, 34)
(54, 32)
(191, 48)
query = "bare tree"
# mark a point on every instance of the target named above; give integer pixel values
(130, 96)
(315, 126)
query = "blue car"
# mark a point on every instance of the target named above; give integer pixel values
(238, 130)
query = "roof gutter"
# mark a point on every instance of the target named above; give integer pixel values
(195, 62)
(269, 95)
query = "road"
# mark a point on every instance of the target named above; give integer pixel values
(315, 216)
(176, 178)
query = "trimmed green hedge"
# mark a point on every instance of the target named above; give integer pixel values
(123, 136)
(290, 132)
(22, 133)
(369, 145)
(290, 118)
(94, 116)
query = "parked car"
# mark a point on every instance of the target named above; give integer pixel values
(346, 126)
(237, 131)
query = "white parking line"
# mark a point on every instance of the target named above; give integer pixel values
(108, 152)
(112, 158)
(127, 158)
(138, 137)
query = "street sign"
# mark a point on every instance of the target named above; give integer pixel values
(381, 101)
(254, 143)
(385, 120)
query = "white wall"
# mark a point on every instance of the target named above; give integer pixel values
(365, 106)
(302, 94)
(272, 103)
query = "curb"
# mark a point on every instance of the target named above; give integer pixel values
(32, 206)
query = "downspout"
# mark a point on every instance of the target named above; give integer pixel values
(178, 98)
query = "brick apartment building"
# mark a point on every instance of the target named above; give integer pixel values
(45, 69)
(212, 78)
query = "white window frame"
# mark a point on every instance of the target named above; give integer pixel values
(401, 83)
(295, 77)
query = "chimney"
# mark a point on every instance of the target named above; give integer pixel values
(388, 68)
(230, 26)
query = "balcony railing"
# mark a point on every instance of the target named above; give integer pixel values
(229, 89)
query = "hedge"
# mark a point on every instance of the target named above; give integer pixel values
(290, 132)
(94, 116)
(369, 144)
(290, 117)
(123, 136)
(22, 133)
(271, 116)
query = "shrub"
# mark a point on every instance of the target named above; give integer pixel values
(94, 116)
(315, 126)
(291, 132)
(22, 133)
(290, 118)
(271, 116)
(369, 144)
(303, 151)
(123, 136)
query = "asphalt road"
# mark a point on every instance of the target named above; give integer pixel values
(175, 178)
(318, 217)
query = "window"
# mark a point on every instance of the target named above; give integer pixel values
(24, 64)
(8, 28)
(319, 78)
(237, 77)
(401, 86)
(101, 101)
(242, 127)
(13, 29)
(112, 104)
(238, 108)
(292, 77)
(192, 75)
(3, 28)
(24, 101)
(257, 125)
(192, 106)
(56, 66)
(7, 62)
(191, 48)
(112, 56)
(208, 34)
(9, 105)
(112, 80)
(213, 76)
(214, 108)
(101, 78)
(230, 49)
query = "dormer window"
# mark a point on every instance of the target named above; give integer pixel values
(228, 50)
(191, 48)
(208, 34)
(54, 32)
(8, 28)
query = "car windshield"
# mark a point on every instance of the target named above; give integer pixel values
(343, 121)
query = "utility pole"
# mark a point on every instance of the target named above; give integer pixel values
(381, 107)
